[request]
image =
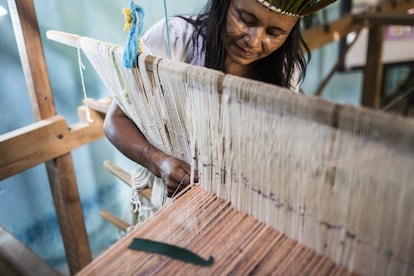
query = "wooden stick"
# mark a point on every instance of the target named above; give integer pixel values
(119, 223)
(124, 176)
(100, 105)
(118, 172)
(64, 38)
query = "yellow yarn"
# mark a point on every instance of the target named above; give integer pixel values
(127, 17)
(139, 45)
(127, 26)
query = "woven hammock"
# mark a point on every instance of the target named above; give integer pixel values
(338, 179)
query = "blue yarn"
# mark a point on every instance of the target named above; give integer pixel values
(132, 46)
(167, 28)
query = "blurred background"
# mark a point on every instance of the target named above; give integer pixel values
(26, 206)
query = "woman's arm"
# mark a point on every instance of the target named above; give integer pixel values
(129, 140)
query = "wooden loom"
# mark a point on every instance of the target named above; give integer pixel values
(331, 215)
(82, 133)
(208, 225)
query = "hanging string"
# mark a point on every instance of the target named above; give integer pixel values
(81, 68)
(167, 29)
(134, 17)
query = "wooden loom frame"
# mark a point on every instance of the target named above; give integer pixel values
(49, 140)
(375, 20)
(52, 129)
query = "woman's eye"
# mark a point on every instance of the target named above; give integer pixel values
(247, 18)
(273, 34)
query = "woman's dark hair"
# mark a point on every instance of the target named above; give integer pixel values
(277, 68)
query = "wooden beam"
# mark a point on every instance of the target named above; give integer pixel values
(68, 208)
(20, 149)
(43, 141)
(17, 259)
(373, 71)
(30, 47)
(69, 39)
(320, 36)
(390, 18)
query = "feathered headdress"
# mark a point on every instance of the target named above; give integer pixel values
(297, 8)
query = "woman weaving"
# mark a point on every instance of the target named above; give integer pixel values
(256, 39)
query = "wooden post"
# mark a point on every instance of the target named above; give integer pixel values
(372, 83)
(60, 170)
(69, 212)
(32, 57)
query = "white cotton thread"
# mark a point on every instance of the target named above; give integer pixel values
(312, 169)
(81, 68)
(135, 200)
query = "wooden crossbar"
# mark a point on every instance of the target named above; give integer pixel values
(55, 137)
(320, 36)
(119, 223)
(124, 176)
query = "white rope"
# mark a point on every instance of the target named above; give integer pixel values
(81, 68)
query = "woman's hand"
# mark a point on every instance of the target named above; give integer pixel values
(128, 139)
(175, 172)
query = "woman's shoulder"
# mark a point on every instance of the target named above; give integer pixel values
(181, 32)
(176, 24)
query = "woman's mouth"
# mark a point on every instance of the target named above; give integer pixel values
(241, 52)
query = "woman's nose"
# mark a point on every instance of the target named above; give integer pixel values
(254, 37)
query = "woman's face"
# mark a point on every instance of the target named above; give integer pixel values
(253, 31)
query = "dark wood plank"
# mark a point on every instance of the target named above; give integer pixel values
(17, 259)
(373, 71)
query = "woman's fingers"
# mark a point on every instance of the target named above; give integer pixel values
(176, 175)
(175, 186)
(181, 184)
